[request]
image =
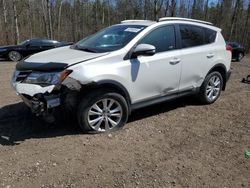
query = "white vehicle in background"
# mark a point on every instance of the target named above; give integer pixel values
(137, 63)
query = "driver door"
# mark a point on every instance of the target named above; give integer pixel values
(33, 47)
(157, 75)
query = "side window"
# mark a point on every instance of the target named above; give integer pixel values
(191, 36)
(210, 36)
(35, 43)
(162, 38)
(49, 43)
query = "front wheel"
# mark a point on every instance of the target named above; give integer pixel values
(211, 88)
(102, 111)
(15, 56)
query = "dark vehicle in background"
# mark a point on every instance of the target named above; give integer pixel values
(28, 47)
(238, 51)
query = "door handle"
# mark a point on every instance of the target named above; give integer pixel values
(175, 61)
(210, 55)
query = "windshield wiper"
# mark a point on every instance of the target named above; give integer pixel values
(86, 49)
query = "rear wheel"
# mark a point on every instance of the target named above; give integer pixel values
(211, 88)
(15, 56)
(102, 111)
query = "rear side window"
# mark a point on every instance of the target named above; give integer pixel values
(49, 43)
(191, 36)
(210, 36)
(162, 38)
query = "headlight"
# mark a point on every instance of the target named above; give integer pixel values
(52, 78)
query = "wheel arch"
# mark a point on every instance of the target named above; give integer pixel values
(222, 70)
(108, 84)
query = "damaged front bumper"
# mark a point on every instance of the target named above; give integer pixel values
(41, 99)
(42, 105)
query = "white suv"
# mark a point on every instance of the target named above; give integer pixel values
(137, 63)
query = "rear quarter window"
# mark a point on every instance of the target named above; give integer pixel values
(210, 36)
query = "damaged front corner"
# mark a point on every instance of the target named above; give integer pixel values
(72, 84)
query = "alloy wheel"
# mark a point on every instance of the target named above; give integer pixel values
(14, 56)
(213, 88)
(105, 115)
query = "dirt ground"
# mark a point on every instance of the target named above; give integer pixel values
(175, 144)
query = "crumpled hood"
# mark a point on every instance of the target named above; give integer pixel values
(65, 55)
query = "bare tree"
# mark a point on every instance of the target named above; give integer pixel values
(16, 22)
(30, 18)
(50, 19)
(234, 18)
(166, 7)
(59, 18)
(173, 8)
(246, 28)
(157, 5)
(206, 9)
(45, 20)
(193, 13)
(5, 22)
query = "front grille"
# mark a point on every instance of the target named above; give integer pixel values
(22, 75)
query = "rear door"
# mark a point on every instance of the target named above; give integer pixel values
(197, 54)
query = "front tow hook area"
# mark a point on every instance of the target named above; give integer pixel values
(41, 106)
(52, 101)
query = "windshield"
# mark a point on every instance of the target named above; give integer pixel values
(24, 42)
(109, 39)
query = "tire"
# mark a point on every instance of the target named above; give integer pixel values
(240, 56)
(211, 88)
(98, 119)
(14, 56)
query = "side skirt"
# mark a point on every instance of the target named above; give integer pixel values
(165, 98)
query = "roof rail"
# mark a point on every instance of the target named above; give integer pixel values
(129, 21)
(183, 19)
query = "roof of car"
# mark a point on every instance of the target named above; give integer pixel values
(171, 19)
(184, 19)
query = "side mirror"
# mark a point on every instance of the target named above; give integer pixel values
(144, 50)
(27, 45)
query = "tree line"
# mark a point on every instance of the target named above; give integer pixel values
(72, 20)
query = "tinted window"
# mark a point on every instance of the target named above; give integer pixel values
(50, 42)
(162, 38)
(210, 36)
(35, 43)
(191, 36)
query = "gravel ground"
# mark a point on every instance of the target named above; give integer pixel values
(174, 144)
